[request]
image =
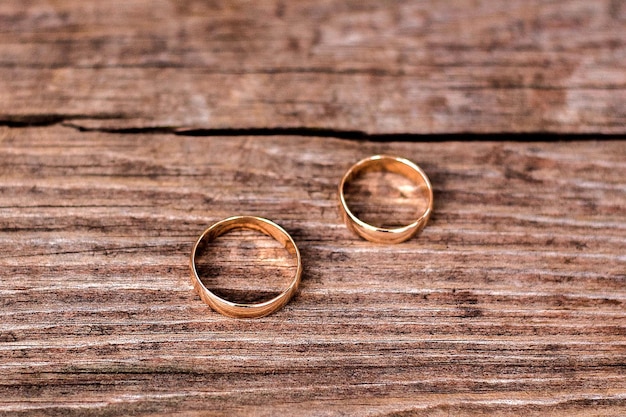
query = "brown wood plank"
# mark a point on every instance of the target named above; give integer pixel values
(377, 67)
(511, 301)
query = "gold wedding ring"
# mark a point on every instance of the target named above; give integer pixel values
(242, 310)
(396, 165)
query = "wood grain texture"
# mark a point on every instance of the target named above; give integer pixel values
(512, 301)
(370, 66)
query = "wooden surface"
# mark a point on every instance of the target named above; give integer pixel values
(392, 67)
(512, 299)
(129, 127)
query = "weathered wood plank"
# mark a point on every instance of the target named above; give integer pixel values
(511, 301)
(377, 67)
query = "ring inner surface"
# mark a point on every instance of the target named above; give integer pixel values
(386, 194)
(244, 264)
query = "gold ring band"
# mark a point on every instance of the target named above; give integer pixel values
(396, 165)
(241, 310)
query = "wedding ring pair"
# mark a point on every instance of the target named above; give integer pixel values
(367, 231)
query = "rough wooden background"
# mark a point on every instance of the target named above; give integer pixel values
(398, 67)
(130, 126)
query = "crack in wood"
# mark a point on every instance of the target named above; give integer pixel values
(46, 120)
(358, 135)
